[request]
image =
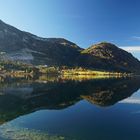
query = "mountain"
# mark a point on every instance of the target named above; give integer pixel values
(108, 56)
(17, 45)
(22, 46)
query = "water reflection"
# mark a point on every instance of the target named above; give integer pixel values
(21, 96)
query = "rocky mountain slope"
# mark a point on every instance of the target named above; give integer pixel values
(16, 45)
(108, 56)
(22, 46)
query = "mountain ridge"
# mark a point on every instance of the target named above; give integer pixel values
(17, 45)
(108, 54)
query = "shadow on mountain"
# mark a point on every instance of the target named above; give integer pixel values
(23, 97)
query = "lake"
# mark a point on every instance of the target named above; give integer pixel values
(53, 108)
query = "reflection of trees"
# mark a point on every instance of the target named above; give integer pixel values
(60, 94)
(113, 91)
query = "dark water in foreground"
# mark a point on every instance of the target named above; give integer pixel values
(58, 109)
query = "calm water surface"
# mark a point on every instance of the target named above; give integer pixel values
(60, 109)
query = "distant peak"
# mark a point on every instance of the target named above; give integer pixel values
(103, 50)
(104, 45)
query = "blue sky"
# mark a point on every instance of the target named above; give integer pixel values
(84, 22)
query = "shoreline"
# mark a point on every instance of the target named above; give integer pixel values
(69, 74)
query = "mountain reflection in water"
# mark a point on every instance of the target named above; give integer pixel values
(21, 96)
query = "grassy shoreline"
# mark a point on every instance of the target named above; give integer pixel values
(19, 69)
(92, 73)
(68, 72)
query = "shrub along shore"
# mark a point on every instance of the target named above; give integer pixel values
(17, 69)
